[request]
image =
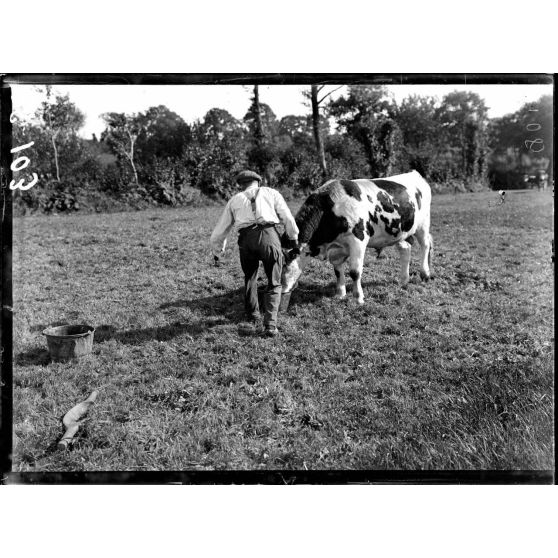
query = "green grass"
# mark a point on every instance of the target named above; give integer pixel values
(453, 374)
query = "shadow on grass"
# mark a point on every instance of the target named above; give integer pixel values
(37, 356)
(228, 305)
(216, 310)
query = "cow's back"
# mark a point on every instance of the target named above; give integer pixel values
(384, 209)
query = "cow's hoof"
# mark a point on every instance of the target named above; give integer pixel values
(425, 276)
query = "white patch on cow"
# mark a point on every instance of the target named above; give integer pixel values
(351, 209)
(294, 269)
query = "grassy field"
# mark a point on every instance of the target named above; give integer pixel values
(453, 374)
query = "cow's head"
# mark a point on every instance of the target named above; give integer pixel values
(294, 259)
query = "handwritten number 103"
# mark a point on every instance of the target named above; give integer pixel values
(18, 165)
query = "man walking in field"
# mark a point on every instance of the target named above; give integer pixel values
(256, 211)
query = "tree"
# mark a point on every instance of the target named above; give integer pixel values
(163, 134)
(368, 115)
(62, 119)
(121, 135)
(262, 127)
(295, 127)
(315, 90)
(463, 117)
(421, 134)
(218, 124)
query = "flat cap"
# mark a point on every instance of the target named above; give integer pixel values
(247, 176)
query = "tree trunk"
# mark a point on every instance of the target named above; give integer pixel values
(316, 128)
(53, 138)
(258, 118)
(131, 158)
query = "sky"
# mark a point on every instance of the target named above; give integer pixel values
(191, 102)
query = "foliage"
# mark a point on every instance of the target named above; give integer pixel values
(121, 135)
(156, 157)
(49, 196)
(61, 119)
(167, 184)
(270, 125)
(212, 168)
(367, 114)
(163, 134)
(345, 157)
(463, 118)
(218, 125)
(60, 116)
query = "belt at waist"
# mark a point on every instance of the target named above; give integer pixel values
(257, 227)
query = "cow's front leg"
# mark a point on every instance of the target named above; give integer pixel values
(356, 264)
(404, 249)
(341, 290)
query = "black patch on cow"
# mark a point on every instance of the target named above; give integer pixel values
(337, 274)
(400, 197)
(358, 229)
(392, 225)
(370, 199)
(354, 274)
(410, 239)
(351, 188)
(374, 216)
(369, 227)
(317, 224)
(385, 201)
(418, 195)
(287, 242)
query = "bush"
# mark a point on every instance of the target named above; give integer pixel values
(345, 158)
(167, 183)
(49, 197)
(212, 168)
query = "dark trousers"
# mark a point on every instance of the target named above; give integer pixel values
(255, 245)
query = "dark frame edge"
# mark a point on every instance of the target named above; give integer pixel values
(277, 78)
(333, 477)
(6, 332)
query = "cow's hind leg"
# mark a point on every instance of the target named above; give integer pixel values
(404, 249)
(341, 290)
(426, 246)
(356, 264)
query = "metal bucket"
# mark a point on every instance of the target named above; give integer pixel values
(69, 341)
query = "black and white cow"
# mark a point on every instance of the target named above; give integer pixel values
(341, 218)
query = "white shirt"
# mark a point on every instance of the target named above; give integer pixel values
(271, 208)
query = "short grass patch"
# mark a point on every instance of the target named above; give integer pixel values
(453, 374)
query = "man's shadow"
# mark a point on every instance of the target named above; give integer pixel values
(210, 312)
